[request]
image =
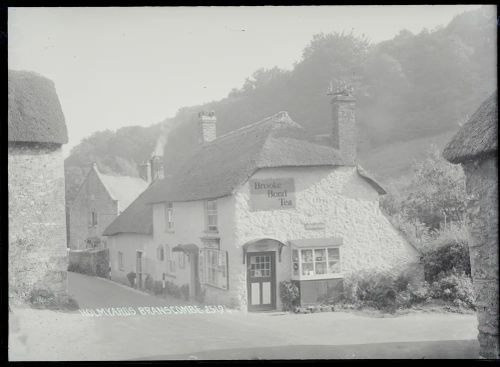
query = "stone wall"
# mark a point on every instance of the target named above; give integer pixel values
(37, 223)
(92, 196)
(482, 222)
(90, 262)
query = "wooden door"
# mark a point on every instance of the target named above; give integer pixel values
(261, 281)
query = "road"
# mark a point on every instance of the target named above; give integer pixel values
(232, 335)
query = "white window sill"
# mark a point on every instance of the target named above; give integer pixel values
(318, 277)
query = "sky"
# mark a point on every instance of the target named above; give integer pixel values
(116, 66)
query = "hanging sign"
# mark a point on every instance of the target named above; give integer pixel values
(272, 194)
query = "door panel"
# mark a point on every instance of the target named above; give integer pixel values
(261, 281)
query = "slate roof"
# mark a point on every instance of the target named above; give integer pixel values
(137, 218)
(34, 113)
(478, 138)
(125, 189)
(218, 168)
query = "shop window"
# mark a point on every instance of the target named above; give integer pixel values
(169, 216)
(211, 212)
(120, 260)
(213, 267)
(316, 263)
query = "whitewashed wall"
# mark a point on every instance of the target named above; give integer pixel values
(128, 244)
(341, 199)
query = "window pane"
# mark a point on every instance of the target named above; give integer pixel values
(307, 256)
(211, 205)
(333, 254)
(321, 268)
(334, 267)
(307, 269)
(319, 255)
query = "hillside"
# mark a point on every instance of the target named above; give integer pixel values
(394, 160)
(413, 89)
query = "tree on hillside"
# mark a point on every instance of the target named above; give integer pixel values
(433, 194)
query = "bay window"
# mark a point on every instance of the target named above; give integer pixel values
(213, 267)
(316, 263)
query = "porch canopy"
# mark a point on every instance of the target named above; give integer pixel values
(265, 242)
(189, 248)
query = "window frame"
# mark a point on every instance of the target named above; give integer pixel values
(211, 213)
(169, 261)
(169, 216)
(93, 215)
(215, 261)
(120, 261)
(300, 262)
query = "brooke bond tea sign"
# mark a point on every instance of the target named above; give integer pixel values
(272, 194)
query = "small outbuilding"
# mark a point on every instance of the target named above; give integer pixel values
(475, 147)
(37, 223)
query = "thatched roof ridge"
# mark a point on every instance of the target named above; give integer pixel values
(35, 114)
(478, 138)
(216, 169)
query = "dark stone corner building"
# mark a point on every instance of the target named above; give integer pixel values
(37, 223)
(475, 147)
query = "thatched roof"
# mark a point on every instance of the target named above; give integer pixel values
(218, 168)
(478, 138)
(35, 114)
(137, 218)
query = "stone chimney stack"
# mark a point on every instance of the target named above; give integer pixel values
(207, 126)
(344, 135)
(145, 171)
(157, 171)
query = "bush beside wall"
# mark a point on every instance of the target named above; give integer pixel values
(90, 262)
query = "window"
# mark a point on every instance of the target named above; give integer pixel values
(181, 259)
(120, 260)
(170, 260)
(160, 253)
(315, 262)
(213, 267)
(93, 219)
(211, 215)
(169, 216)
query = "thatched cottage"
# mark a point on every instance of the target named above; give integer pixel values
(475, 147)
(100, 199)
(257, 206)
(37, 224)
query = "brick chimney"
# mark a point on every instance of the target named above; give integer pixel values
(207, 126)
(145, 171)
(344, 123)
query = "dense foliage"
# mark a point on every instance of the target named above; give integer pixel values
(289, 295)
(413, 86)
